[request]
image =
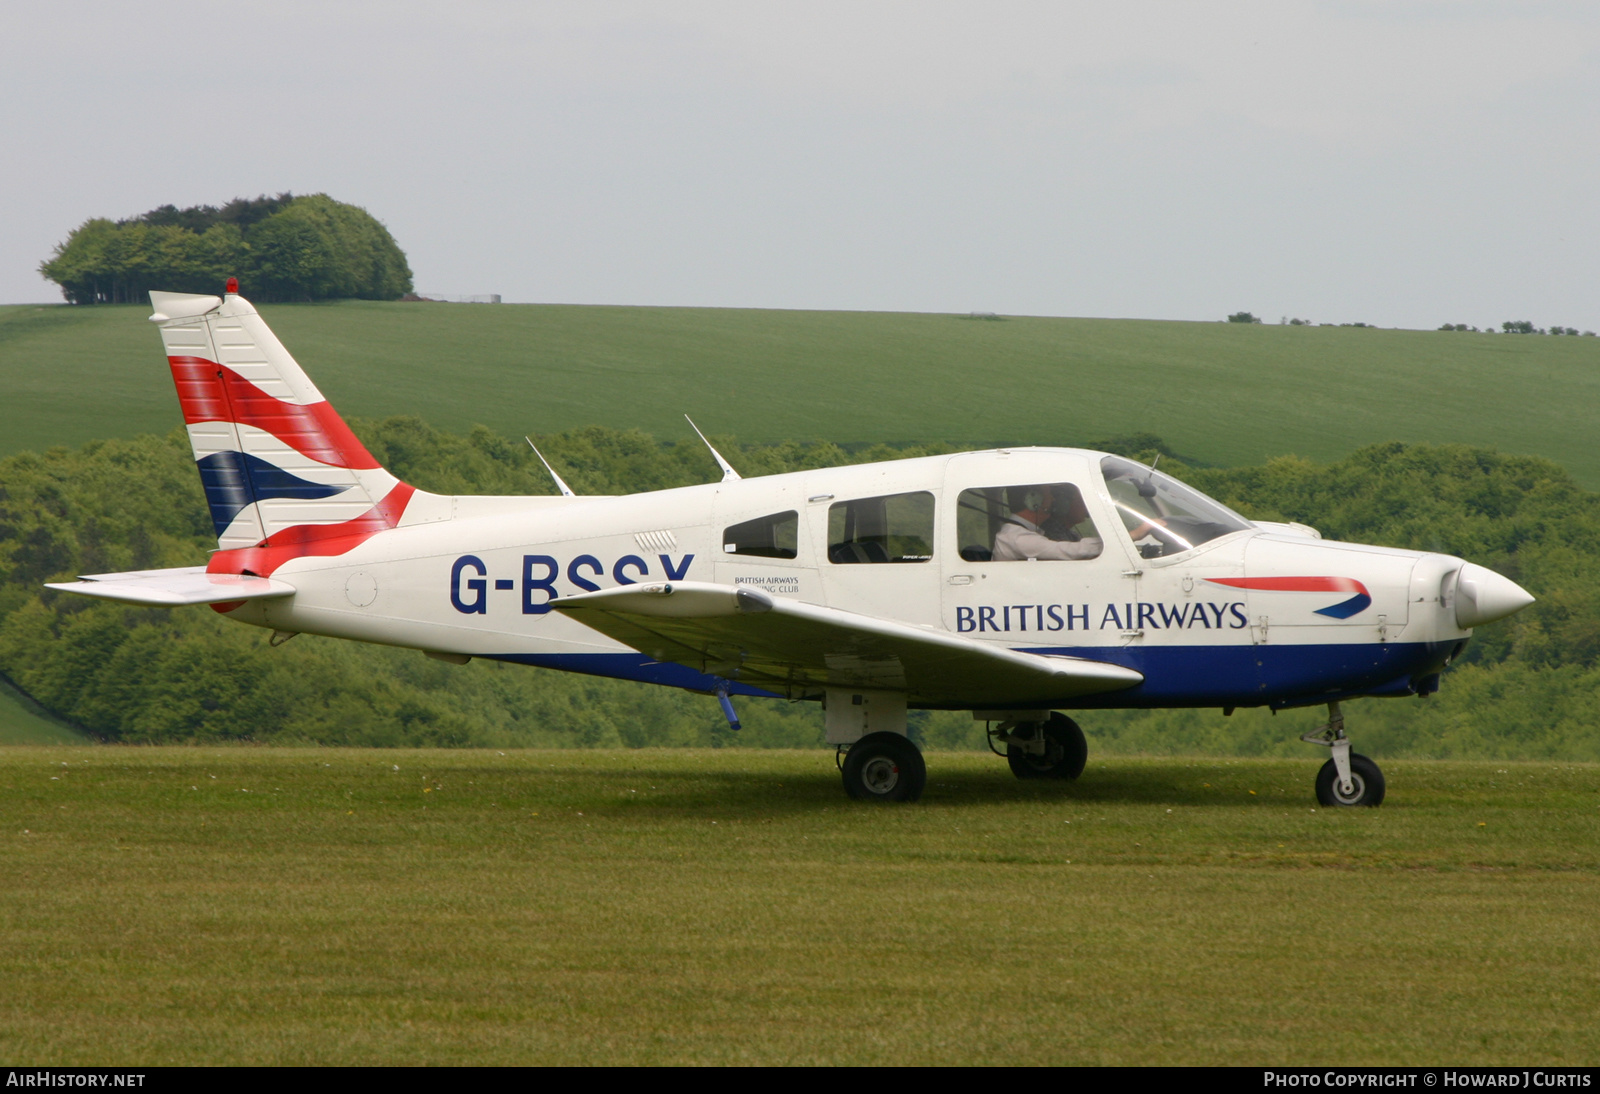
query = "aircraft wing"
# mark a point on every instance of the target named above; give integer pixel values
(795, 648)
(171, 588)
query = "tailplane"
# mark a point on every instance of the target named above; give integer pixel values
(282, 472)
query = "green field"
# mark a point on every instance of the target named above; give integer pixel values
(24, 722)
(1220, 393)
(301, 906)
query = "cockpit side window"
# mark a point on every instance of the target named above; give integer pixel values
(892, 528)
(775, 536)
(1038, 522)
(1162, 515)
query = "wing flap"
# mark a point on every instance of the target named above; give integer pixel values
(797, 648)
(174, 588)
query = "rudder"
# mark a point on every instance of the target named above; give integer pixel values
(279, 466)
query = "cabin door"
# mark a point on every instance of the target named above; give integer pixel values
(877, 555)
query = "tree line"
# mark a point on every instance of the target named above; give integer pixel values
(1527, 687)
(1520, 326)
(283, 248)
(1510, 326)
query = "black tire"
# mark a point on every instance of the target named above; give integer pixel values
(1364, 774)
(884, 767)
(1066, 751)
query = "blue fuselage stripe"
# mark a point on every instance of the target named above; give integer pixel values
(1174, 676)
(631, 666)
(1260, 675)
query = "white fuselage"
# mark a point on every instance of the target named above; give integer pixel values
(475, 576)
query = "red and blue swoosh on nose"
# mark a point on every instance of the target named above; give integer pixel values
(1342, 610)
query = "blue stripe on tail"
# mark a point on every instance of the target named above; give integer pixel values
(233, 480)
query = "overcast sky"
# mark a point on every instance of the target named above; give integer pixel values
(1404, 164)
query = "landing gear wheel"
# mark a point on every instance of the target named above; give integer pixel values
(884, 767)
(1065, 752)
(1365, 779)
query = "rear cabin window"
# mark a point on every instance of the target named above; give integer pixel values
(1042, 521)
(776, 536)
(893, 528)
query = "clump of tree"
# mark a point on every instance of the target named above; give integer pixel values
(1242, 317)
(281, 248)
(1522, 326)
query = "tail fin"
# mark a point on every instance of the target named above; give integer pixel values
(281, 470)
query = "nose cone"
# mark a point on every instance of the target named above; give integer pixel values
(1482, 596)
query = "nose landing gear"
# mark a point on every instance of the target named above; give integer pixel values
(1348, 778)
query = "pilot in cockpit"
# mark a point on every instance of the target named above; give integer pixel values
(1044, 524)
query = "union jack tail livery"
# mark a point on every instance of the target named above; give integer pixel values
(283, 475)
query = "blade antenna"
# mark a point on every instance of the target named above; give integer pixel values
(728, 473)
(566, 491)
(1147, 489)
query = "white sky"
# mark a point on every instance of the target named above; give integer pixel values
(1404, 164)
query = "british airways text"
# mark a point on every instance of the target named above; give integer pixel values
(1138, 615)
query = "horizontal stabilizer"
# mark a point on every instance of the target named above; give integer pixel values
(796, 648)
(171, 588)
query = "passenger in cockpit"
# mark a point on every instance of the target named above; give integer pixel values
(1045, 525)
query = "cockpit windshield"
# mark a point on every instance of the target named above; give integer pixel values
(1164, 516)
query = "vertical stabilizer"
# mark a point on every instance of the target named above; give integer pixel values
(279, 466)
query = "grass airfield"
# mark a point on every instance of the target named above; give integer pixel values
(286, 906)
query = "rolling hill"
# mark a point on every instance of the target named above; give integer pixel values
(1220, 393)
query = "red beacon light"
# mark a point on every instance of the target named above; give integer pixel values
(232, 287)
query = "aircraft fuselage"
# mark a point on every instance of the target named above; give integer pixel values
(477, 577)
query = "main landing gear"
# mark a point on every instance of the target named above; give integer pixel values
(883, 767)
(1054, 748)
(1348, 778)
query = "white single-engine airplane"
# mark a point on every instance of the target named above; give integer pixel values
(1012, 583)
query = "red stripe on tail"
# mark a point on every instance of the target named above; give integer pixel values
(320, 540)
(210, 392)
